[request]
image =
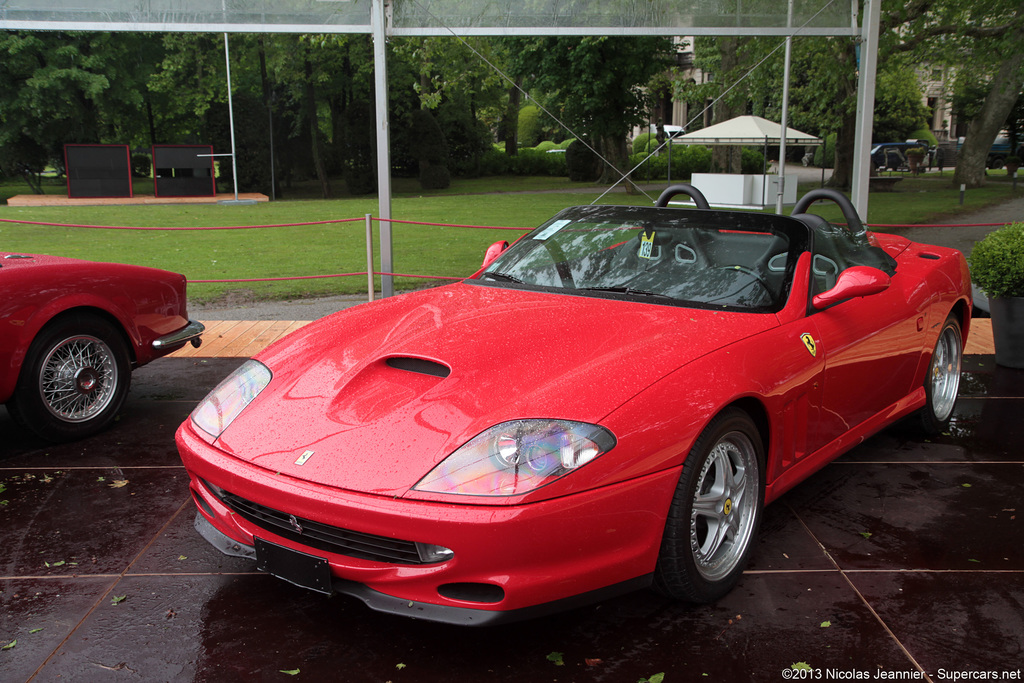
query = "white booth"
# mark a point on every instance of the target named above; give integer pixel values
(735, 189)
(755, 190)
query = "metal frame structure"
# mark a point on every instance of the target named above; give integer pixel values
(385, 18)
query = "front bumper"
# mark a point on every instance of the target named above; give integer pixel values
(190, 333)
(448, 614)
(509, 562)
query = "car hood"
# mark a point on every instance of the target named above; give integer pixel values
(382, 392)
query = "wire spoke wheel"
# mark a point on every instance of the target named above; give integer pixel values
(74, 380)
(78, 378)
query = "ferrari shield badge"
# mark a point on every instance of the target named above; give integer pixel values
(646, 244)
(809, 343)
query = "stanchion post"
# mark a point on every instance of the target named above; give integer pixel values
(963, 190)
(369, 256)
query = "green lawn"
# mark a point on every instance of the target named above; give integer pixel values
(341, 247)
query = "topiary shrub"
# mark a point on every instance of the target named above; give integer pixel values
(435, 178)
(694, 159)
(431, 150)
(142, 166)
(997, 262)
(530, 128)
(751, 161)
(495, 162)
(825, 155)
(642, 142)
(583, 165)
(925, 134)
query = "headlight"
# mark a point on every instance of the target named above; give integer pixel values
(222, 405)
(515, 457)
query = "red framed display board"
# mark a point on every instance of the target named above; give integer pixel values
(183, 171)
(98, 170)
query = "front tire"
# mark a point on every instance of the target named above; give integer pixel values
(74, 380)
(715, 512)
(942, 383)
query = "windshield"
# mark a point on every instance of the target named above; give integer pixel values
(716, 259)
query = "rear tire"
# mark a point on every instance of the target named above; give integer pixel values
(715, 512)
(942, 382)
(74, 380)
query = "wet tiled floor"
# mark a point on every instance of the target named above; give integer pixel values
(904, 556)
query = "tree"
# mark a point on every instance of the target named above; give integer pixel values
(986, 39)
(599, 83)
(68, 87)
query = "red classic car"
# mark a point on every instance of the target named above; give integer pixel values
(70, 333)
(606, 405)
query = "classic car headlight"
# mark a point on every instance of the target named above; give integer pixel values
(512, 458)
(222, 405)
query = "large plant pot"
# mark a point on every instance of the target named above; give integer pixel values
(1008, 330)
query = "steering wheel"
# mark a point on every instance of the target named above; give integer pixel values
(561, 264)
(750, 272)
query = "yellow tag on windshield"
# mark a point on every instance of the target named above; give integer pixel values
(646, 244)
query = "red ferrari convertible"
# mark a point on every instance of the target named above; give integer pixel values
(606, 405)
(70, 333)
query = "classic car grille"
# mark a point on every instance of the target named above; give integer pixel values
(324, 537)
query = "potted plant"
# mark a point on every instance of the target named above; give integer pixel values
(915, 155)
(1012, 163)
(997, 267)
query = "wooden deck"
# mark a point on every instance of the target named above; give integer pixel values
(245, 338)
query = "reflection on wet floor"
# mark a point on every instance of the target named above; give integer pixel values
(902, 556)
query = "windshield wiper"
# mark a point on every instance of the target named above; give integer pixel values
(503, 277)
(626, 290)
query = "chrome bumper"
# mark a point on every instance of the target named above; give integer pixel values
(189, 333)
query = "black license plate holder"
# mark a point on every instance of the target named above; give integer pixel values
(298, 568)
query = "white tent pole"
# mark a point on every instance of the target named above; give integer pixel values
(231, 117)
(785, 112)
(865, 107)
(378, 26)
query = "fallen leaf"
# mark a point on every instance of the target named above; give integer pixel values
(290, 672)
(966, 486)
(118, 483)
(556, 657)
(182, 557)
(399, 666)
(826, 624)
(800, 666)
(866, 534)
(9, 645)
(35, 630)
(117, 599)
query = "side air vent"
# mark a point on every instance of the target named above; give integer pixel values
(419, 365)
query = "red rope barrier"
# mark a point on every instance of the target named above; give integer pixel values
(451, 225)
(210, 227)
(936, 225)
(316, 277)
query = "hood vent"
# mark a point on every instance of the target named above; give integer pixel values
(419, 365)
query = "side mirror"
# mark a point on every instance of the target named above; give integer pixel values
(494, 251)
(853, 282)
